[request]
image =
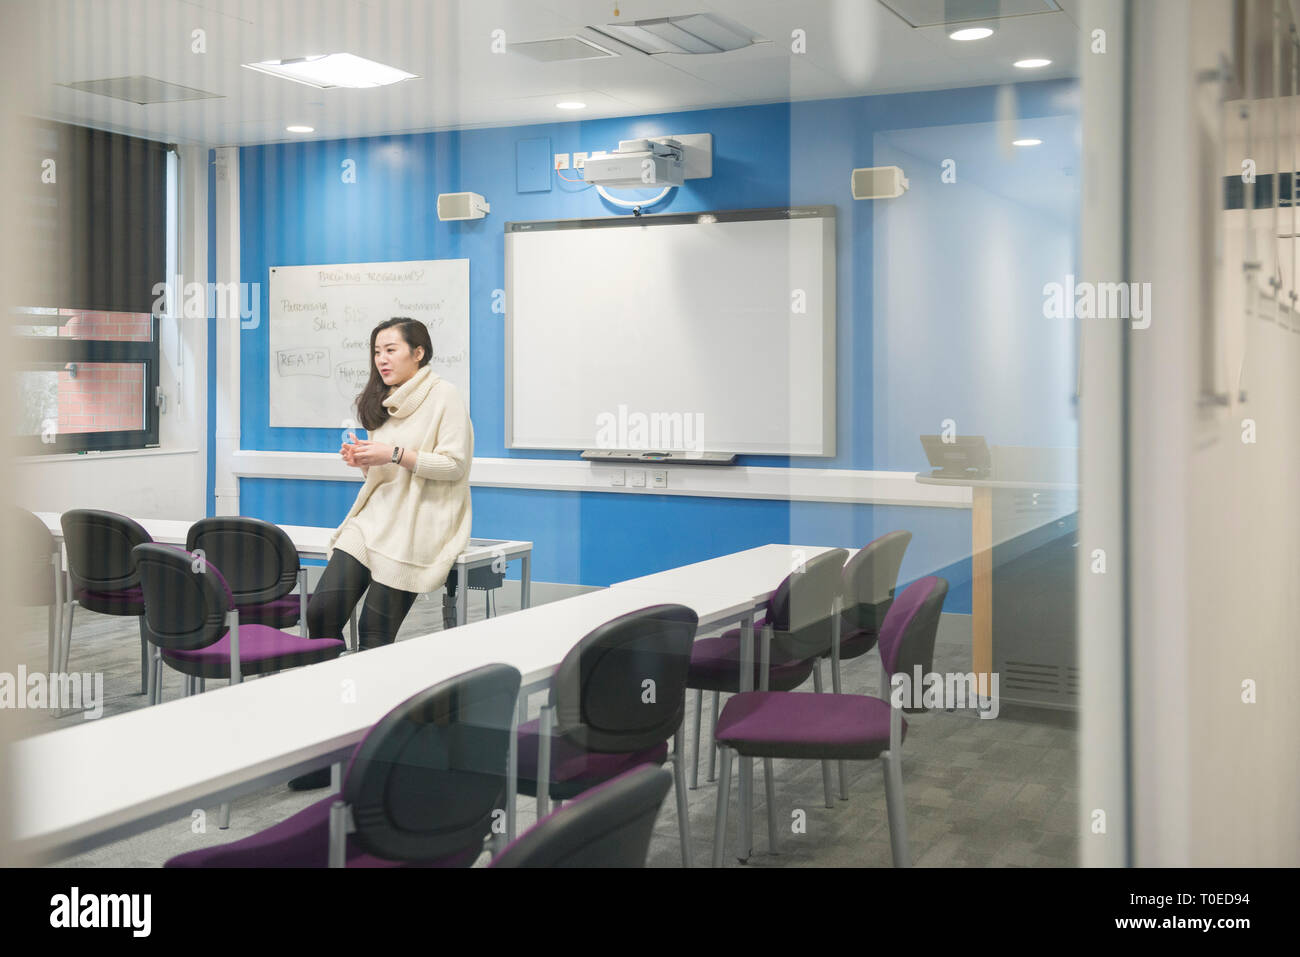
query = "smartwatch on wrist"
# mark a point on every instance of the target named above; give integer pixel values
(397, 454)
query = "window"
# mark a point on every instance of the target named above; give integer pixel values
(87, 346)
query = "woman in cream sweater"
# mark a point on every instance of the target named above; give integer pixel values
(412, 516)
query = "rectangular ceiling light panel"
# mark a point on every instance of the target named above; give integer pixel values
(331, 70)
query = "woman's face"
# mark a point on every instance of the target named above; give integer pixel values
(395, 360)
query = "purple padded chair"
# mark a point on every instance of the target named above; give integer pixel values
(777, 724)
(870, 577)
(796, 630)
(260, 564)
(422, 789)
(608, 826)
(191, 618)
(615, 700)
(102, 570)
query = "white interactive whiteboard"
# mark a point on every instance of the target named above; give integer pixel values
(710, 332)
(321, 318)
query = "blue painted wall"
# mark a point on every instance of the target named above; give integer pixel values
(296, 210)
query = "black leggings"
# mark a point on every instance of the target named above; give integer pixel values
(337, 594)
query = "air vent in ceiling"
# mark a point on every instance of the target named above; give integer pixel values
(933, 13)
(561, 48)
(140, 89)
(694, 33)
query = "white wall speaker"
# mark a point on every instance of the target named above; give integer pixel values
(454, 206)
(878, 182)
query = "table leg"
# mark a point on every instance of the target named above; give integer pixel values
(512, 765)
(462, 593)
(526, 580)
(746, 764)
(302, 602)
(982, 585)
(56, 639)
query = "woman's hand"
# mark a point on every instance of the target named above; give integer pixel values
(365, 453)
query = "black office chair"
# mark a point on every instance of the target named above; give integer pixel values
(798, 625)
(37, 571)
(423, 788)
(609, 826)
(870, 578)
(104, 578)
(191, 617)
(616, 699)
(260, 564)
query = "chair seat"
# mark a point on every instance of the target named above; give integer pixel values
(574, 770)
(262, 649)
(783, 724)
(300, 841)
(282, 612)
(855, 644)
(128, 601)
(715, 664)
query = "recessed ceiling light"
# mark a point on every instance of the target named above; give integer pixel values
(1027, 142)
(300, 129)
(1033, 63)
(571, 105)
(332, 70)
(971, 33)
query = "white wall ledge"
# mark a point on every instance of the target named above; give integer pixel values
(848, 486)
(100, 454)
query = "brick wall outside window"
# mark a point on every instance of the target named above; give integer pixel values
(103, 396)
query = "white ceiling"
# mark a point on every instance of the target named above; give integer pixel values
(854, 47)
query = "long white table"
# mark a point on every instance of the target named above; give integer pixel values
(101, 781)
(756, 572)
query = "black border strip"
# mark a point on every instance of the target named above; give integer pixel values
(675, 219)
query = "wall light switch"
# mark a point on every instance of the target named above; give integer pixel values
(617, 477)
(561, 160)
(637, 478)
(659, 478)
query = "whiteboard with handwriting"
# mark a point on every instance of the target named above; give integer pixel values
(321, 318)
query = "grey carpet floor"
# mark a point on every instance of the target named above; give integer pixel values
(978, 792)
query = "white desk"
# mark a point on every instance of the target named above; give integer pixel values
(101, 781)
(755, 573)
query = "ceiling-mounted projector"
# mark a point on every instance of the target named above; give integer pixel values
(638, 164)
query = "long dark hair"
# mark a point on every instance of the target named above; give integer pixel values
(370, 403)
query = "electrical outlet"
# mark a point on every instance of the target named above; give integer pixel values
(561, 160)
(637, 478)
(659, 478)
(617, 477)
(579, 160)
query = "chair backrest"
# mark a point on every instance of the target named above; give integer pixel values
(426, 780)
(258, 559)
(908, 631)
(623, 687)
(869, 580)
(33, 582)
(802, 607)
(608, 826)
(185, 598)
(99, 549)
